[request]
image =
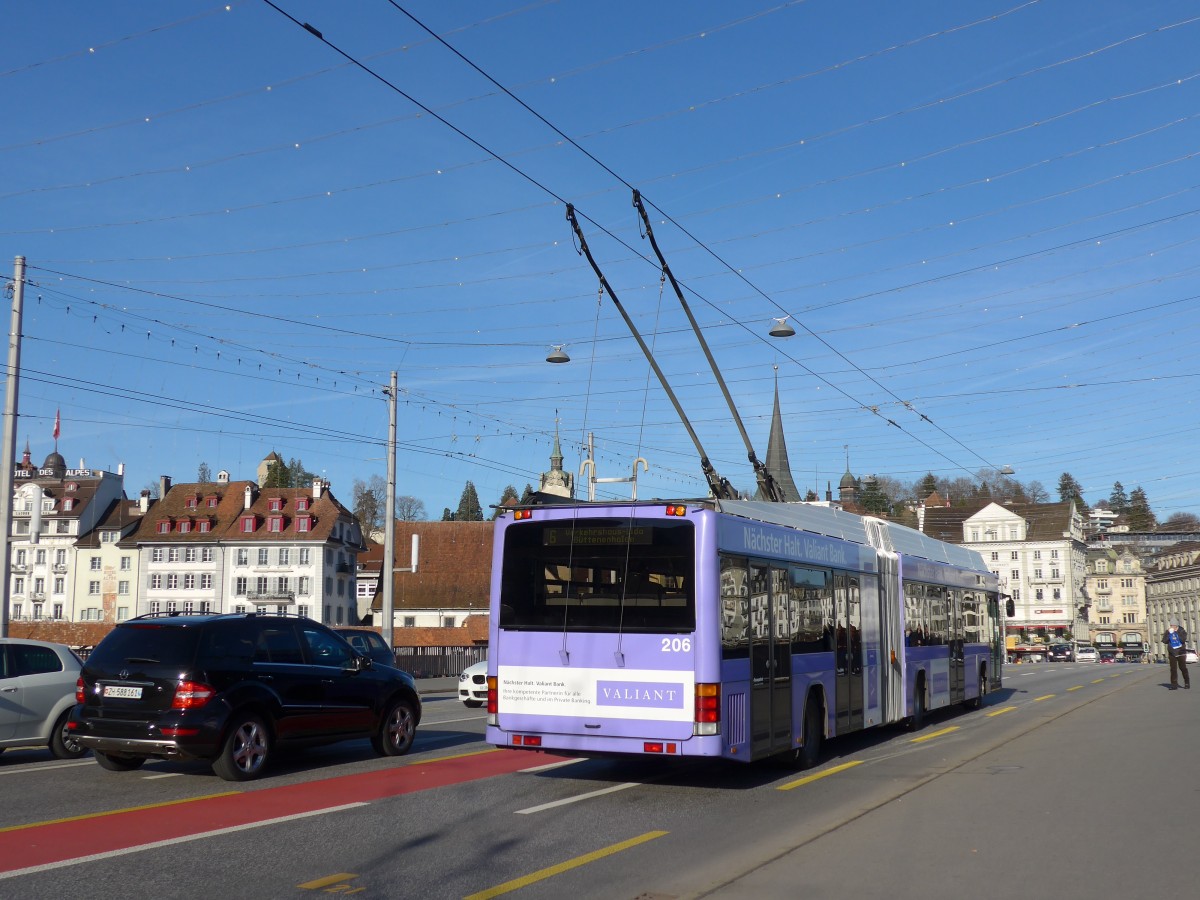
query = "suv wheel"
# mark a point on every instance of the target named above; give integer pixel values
(115, 763)
(63, 743)
(397, 730)
(245, 751)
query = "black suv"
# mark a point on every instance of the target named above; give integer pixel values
(232, 688)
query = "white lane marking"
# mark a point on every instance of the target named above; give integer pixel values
(46, 768)
(61, 864)
(569, 800)
(162, 775)
(548, 766)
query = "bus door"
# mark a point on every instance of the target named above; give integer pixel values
(770, 661)
(954, 637)
(848, 652)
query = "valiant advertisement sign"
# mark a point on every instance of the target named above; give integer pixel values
(795, 546)
(597, 693)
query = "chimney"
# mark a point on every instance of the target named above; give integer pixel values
(144, 501)
(121, 469)
(164, 485)
(318, 488)
(249, 497)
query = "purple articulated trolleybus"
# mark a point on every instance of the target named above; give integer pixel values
(727, 628)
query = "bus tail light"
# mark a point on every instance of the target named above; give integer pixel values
(676, 510)
(492, 705)
(659, 747)
(527, 740)
(708, 709)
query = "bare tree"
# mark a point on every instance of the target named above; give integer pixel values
(368, 498)
(204, 473)
(410, 509)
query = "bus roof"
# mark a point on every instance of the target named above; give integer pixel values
(819, 519)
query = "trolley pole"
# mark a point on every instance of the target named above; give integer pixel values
(10, 436)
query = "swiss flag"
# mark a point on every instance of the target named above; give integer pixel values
(57, 423)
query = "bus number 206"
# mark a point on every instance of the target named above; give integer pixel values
(676, 645)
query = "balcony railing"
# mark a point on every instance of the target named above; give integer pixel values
(59, 568)
(20, 567)
(278, 596)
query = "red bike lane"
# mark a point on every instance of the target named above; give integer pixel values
(39, 845)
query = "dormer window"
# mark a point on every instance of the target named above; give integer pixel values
(275, 523)
(211, 502)
(71, 486)
(164, 526)
(304, 523)
(249, 523)
(301, 504)
(191, 501)
(185, 527)
(204, 526)
(275, 504)
(68, 504)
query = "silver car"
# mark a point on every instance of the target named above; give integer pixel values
(37, 694)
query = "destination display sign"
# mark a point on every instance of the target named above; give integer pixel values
(597, 535)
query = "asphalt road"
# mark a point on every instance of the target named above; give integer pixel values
(1075, 780)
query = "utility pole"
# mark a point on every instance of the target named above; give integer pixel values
(389, 526)
(10, 435)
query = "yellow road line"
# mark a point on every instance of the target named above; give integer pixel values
(930, 737)
(999, 712)
(326, 882)
(1097, 680)
(117, 812)
(517, 883)
(426, 762)
(808, 779)
(1043, 697)
(1078, 687)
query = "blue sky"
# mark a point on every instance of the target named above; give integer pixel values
(981, 218)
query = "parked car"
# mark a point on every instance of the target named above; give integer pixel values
(472, 684)
(1086, 654)
(231, 688)
(37, 693)
(1190, 657)
(369, 643)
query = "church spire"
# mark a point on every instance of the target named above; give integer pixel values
(777, 455)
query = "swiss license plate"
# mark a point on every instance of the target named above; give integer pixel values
(120, 690)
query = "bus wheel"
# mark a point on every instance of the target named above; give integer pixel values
(808, 755)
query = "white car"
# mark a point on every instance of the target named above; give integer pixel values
(472, 684)
(1087, 654)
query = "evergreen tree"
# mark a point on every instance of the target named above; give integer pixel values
(1139, 516)
(447, 516)
(298, 476)
(278, 476)
(510, 493)
(926, 486)
(873, 499)
(1070, 489)
(469, 509)
(1118, 502)
(527, 494)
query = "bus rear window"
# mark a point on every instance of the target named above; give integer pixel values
(599, 575)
